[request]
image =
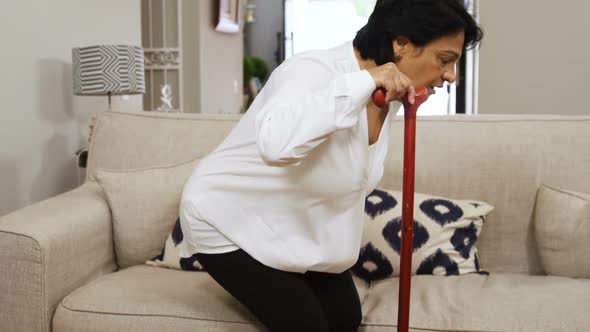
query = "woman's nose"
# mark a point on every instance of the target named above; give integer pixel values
(449, 75)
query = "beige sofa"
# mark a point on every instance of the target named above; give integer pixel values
(58, 268)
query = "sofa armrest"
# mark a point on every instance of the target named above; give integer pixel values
(49, 249)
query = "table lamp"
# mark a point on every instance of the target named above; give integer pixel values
(108, 70)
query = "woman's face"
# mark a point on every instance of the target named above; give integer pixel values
(433, 64)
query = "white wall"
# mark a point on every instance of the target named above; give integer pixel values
(42, 123)
(535, 57)
(220, 64)
(190, 56)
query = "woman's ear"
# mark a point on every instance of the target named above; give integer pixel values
(400, 44)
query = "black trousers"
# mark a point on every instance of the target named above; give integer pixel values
(287, 301)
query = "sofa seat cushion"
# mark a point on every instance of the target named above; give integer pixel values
(148, 298)
(473, 302)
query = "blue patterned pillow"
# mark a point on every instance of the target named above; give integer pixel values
(170, 255)
(445, 231)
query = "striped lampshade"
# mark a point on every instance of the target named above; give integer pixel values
(108, 69)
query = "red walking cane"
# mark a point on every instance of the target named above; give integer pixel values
(403, 313)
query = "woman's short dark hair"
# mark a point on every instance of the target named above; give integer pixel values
(421, 21)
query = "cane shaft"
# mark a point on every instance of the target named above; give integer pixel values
(407, 236)
(407, 233)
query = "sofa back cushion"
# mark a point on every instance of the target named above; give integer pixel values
(144, 204)
(562, 231)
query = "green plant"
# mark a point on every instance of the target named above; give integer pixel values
(260, 68)
(255, 67)
(249, 69)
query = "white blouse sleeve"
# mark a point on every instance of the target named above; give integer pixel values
(304, 103)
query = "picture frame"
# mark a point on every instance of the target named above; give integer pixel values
(229, 14)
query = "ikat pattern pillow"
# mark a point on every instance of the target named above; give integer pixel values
(170, 255)
(445, 232)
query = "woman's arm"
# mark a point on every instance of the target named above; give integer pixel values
(304, 104)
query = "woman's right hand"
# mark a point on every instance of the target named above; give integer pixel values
(396, 84)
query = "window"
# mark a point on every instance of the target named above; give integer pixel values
(320, 24)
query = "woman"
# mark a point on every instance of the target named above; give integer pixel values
(275, 212)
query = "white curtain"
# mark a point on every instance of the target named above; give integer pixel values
(472, 67)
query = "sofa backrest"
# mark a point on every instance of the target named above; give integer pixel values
(123, 141)
(499, 159)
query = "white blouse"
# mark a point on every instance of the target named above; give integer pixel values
(288, 184)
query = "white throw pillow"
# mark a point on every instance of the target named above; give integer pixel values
(445, 232)
(562, 232)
